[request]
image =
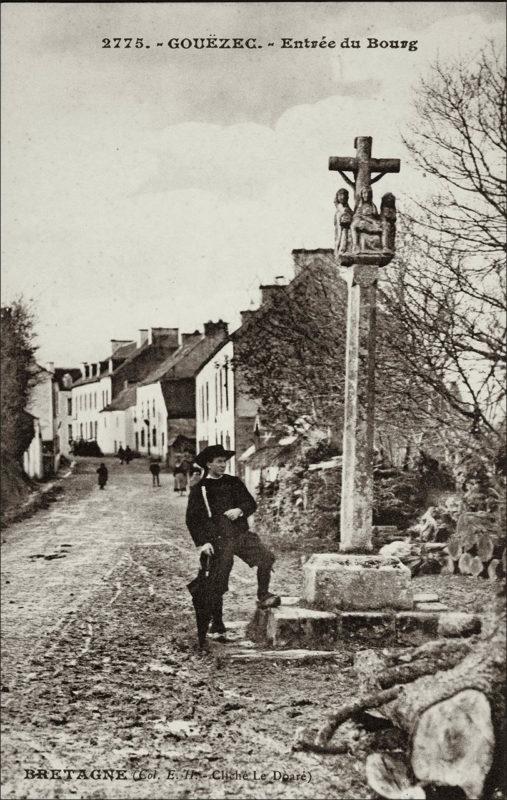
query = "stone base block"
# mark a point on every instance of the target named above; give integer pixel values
(368, 626)
(335, 581)
(458, 623)
(288, 626)
(301, 627)
(416, 627)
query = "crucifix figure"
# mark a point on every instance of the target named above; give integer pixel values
(371, 233)
(364, 242)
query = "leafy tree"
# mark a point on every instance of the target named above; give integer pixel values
(17, 351)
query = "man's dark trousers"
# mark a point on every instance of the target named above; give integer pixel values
(229, 542)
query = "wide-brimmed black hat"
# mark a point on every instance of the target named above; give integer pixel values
(211, 452)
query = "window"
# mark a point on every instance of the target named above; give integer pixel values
(69, 406)
(137, 440)
(207, 400)
(216, 393)
(154, 437)
(142, 437)
(115, 447)
(154, 408)
(81, 430)
(226, 385)
(69, 429)
(221, 391)
(162, 438)
(95, 399)
(227, 442)
(96, 430)
(117, 421)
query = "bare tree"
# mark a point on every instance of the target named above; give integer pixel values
(447, 287)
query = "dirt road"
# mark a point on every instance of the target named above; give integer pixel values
(100, 670)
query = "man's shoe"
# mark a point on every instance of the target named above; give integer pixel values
(269, 601)
(218, 627)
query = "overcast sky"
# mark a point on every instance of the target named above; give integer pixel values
(158, 187)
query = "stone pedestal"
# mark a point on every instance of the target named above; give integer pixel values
(336, 582)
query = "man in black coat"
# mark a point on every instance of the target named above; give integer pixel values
(217, 518)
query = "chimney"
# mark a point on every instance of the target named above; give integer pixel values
(117, 343)
(270, 292)
(165, 337)
(125, 384)
(216, 330)
(247, 315)
(84, 369)
(188, 337)
(144, 336)
(311, 258)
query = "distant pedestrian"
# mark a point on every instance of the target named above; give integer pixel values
(128, 455)
(103, 475)
(121, 454)
(155, 473)
(180, 478)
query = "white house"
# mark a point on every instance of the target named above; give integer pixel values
(214, 401)
(94, 391)
(63, 378)
(117, 422)
(165, 407)
(33, 464)
(41, 408)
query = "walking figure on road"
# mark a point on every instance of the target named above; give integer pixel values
(180, 478)
(103, 475)
(217, 518)
(121, 454)
(155, 473)
(128, 455)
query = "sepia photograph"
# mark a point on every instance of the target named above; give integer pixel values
(253, 400)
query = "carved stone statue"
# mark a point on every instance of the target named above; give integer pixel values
(366, 227)
(342, 220)
(388, 217)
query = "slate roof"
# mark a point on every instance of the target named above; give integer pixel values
(186, 361)
(129, 354)
(60, 372)
(125, 399)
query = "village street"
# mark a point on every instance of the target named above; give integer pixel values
(100, 669)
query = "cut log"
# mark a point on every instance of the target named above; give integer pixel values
(453, 717)
(448, 566)
(485, 547)
(476, 566)
(455, 547)
(493, 569)
(464, 563)
(392, 667)
(454, 743)
(387, 775)
(469, 540)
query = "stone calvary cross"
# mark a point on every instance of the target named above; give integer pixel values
(365, 241)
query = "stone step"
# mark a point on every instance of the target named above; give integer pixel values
(294, 627)
(297, 656)
(426, 597)
(430, 606)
